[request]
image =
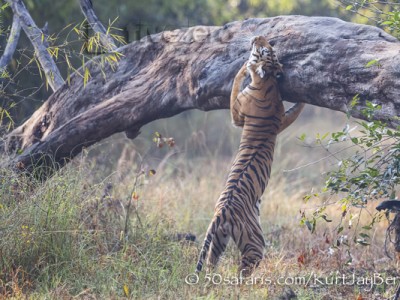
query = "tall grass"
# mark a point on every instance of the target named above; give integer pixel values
(101, 228)
(65, 237)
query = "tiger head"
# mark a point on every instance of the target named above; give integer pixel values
(263, 51)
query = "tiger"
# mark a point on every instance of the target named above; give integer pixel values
(262, 51)
(260, 111)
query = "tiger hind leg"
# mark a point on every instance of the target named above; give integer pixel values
(252, 249)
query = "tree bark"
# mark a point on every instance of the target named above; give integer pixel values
(164, 74)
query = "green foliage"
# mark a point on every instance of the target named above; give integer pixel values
(371, 172)
(393, 22)
(382, 13)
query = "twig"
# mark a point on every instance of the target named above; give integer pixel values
(11, 43)
(128, 207)
(331, 154)
(105, 39)
(37, 39)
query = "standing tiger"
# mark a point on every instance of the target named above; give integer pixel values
(260, 111)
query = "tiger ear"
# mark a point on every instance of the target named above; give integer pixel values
(253, 40)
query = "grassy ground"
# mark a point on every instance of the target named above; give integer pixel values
(98, 230)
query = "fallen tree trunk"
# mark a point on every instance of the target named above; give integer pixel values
(164, 74)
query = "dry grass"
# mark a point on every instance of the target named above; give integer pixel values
(68, 239)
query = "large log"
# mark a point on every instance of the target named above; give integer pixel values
(164, 74)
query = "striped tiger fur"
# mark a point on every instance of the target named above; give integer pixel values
(260, 111)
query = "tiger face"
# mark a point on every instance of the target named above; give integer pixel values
(262, 51)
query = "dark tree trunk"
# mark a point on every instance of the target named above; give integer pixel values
(164, 74)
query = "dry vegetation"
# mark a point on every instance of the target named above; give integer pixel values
(70, 237)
